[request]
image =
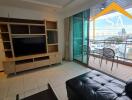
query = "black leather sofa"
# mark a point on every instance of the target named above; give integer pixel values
(95, 85)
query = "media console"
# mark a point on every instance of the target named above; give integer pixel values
(27, 44)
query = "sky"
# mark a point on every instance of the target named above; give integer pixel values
(112, 23)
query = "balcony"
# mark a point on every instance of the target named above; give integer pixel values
(123, 50)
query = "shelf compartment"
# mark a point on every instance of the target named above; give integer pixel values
(23, 61)
(3, 28)
(7, 49)
(4, 32)
(52, 37)
(6, 41)
(51, 25)
(53, 44)
(15, 20)
(26, 35)
(34, 29)
(5, 37)
(51, 30)
(41, 58)
(7, 45)
(19, 29)
(8, 54)
(24, 67)
(41, 63)
(52, 48)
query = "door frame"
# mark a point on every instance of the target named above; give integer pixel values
(81, 62)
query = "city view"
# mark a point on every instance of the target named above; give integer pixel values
(113, 30)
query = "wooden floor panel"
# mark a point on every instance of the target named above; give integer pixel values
(122, 71)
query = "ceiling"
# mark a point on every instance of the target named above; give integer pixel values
(61, 6)
(47, 5)
(54, 5)
(123, 3)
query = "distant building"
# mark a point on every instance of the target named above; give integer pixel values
(122, 32)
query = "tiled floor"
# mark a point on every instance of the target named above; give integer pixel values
(122, 71)
(34, 81)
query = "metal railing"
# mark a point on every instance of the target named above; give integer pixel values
(122, 49)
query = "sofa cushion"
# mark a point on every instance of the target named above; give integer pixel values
(128, 88)
(95, 85)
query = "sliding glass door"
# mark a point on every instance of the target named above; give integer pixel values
(80, 36)
(77, 37)
(85, 36)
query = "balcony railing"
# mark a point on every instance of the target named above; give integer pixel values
(122, 49)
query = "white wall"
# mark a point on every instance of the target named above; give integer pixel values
(78, 6)
(14, 12)
(70, 10)
(61, 35)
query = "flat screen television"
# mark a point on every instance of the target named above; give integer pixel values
(29, 45)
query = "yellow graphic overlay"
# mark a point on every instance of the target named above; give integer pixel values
(111, 7)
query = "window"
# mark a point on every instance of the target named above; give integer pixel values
(113, 30)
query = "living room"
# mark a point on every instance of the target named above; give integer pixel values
(65, 50)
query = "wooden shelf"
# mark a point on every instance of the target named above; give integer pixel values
(7, 45)
(4, 32)
(19, 29)
(36, 34)
(15, 20)
(6, 41)
(35, 24)
(53, 44)
(5, 37)
(37, 29)
(41, 58)
(51, 25)
(3, 28)
(52, 48)
(52, 34)
(52, 37)
(51, 30)
(26, 34)
(12, 29)
(18, 62)
(19, 34)
(27, 29)
(8, 54)
(7, 49)
(27, 57)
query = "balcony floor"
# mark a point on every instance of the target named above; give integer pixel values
(122, 71)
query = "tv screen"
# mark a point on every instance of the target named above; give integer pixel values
(29, 45)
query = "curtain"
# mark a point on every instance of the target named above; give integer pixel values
(68, 39)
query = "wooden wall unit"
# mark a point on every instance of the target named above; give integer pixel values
(10, 28)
